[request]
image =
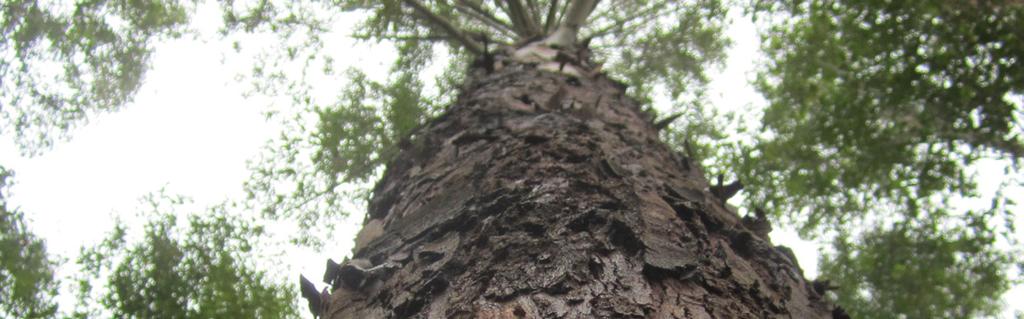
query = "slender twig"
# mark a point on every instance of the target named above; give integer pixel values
(446, 26)
(486, 15)
(619, 24)
(396, 37)
(497, 25)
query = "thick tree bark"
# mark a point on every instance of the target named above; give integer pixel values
(539, 195)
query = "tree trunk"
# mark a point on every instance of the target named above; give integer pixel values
(541, 195)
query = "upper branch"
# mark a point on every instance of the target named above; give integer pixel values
(521, 14)
(534, 12)
(485, 17)
(446, 27)
(620, 25)
(552, 15)
(574, 20)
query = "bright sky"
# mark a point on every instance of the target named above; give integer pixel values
(191, 131)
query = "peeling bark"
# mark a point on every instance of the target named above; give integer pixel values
(540, 195)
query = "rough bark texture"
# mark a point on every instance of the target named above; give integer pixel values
(539, 195)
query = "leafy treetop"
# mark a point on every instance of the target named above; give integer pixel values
(884, 100)
(27, 283)
(202, 268)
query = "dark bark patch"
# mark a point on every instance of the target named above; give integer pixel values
(611, 168)
(712, 224)
(596, 266)
(684, 162)
(525, 98)
(435, 286)
(534, 229)
(409, 308)
(585, 220)
(429, 257)
(622, 236)
(612, 205)
(619, 86)
(655, 273)
(743, 242)
(500, 254)
(790, 257)
(684, 193)
(543, 258)
(839, 313)
(519, 312)
(467, 138)
(725, 272)
(575, 158)
(686, 210)
(534, 139)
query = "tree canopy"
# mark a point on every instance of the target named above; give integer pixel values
(202, 268)
(890, 100)
(878, 112)
(63, 63)
(893, 271)
(878, 115)
(27, 281)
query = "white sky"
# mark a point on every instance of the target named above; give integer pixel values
(190, 130)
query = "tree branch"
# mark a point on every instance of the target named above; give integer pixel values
(446, 27)
(514, 27)
(534, 14)
(516, 24)
(487, 15)
(620, 24)
(485, 18)
(519, 15)
(578, 13)
(552, 15)
(575, 17)
(397, 37)
(561, 14)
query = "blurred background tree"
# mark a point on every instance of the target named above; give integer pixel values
(27, 282)
(201, 267)
(880, 117)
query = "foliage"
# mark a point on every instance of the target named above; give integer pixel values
(27, 284)
(303, 176)
(934, 268)
(198, 269)
(884, 100)
(879, 113)
(673, 57)
(63, 62)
